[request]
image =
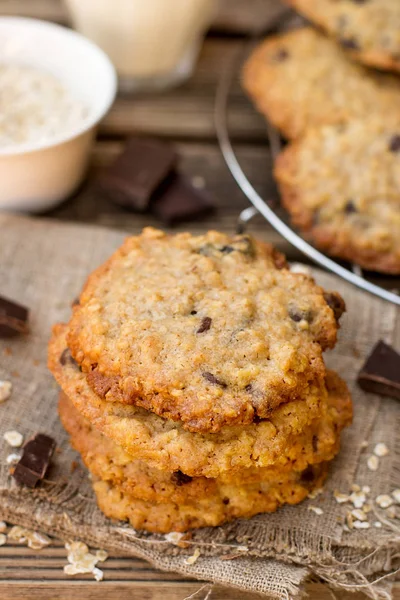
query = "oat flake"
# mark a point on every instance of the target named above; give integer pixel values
(3, 527)
(373, 463)
(14, 438)
(3, 539)
(384, 501)
(5, 390)
(381, 450)
(316, 509)
(396, 495)
(192, 559)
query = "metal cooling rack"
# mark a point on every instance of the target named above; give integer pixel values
(260, 205)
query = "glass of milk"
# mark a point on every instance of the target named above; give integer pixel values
(153, 43)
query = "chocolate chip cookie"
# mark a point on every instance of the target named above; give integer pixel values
(167, 446)
(302, 79)
(368, 29)
(109, 462)
(341, 186)
(209, 331)
(206, 511)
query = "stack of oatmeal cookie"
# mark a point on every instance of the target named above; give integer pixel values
(193, 382)
(339, 175)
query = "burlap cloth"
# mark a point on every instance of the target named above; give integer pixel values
(43, 265)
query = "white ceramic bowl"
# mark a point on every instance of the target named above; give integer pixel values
(35, 177)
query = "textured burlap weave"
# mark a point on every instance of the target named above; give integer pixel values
(44, 265)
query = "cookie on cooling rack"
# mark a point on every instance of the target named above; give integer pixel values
(341, 186)
(368, 29)
(302, 79)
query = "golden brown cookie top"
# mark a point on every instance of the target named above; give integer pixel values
(368, 29)
(210, 330)
(302, 79)
(341, 185)
(165, 445)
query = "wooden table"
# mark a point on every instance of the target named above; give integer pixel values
(185, 116)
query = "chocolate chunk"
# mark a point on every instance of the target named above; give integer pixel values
(308, 475)
(67, 358)
(336, 303)
(225, 501)
(205, 325)
(227, 249)
(13, 318)
(179, 478)
(248, 388)
(137, 173)
(394, 144)
(350, 207)
(381, 372)
(34, 462)
(297, 314)
(212, 379)
(350, 44)
(281, 55)
(180, 201)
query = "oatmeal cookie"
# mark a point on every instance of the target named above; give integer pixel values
(210, 330)
(341, 186)
(368, 29)
(167, 446)
(302, 79)
(206, 511)
(109, 462)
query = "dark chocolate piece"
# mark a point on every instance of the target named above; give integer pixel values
(179, 478)
(350, 43)
(205, 325)
(138, 172)
(394, 144)
(381, 372)
(180, 201)
(13, 318)
(335, 303)
(212, 379)
(350, 207)
(34, 462)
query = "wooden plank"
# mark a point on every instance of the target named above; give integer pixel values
(238, 16)
(196, 160)
(189, 111)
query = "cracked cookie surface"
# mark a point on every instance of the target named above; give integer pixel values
(210, 330)
(302, 79)
(166, 445)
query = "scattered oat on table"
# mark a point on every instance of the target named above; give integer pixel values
(381, 450)
(14, 438)
(5, 390)
(33, 539)
(192, 559)
(316, 509)
(12, 458)
(396, 495)
(373, 463)
(384, 501)
(3, 539)
(81, 560)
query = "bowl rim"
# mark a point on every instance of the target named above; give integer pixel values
(95, 116)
